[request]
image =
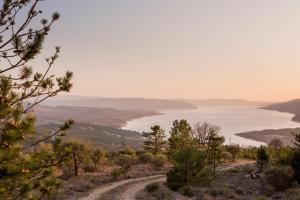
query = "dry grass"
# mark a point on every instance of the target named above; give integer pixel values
(81, 186)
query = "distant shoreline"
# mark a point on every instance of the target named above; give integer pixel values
(285, 135)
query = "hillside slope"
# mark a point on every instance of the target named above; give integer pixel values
(292, 107)
(101, 116)
(107, 137)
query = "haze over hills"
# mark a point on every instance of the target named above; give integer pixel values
(292, 107)
(225, 102)
(120, 103)
(147, 104)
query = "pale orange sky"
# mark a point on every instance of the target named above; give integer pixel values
(180, 49)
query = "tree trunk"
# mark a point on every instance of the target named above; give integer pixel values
(75, 166)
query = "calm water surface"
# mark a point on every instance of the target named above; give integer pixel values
(232, 120)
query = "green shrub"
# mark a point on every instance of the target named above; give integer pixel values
(202, 178)
(145, 157)
(153, 187)
(186, 191)
(174, 179)
(116, 173)
(159, 160)
(280, 178)
(226, 156)
(125, 161)
(296, 164)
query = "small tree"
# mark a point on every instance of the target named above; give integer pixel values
(262, 158)
(155, 140)
(234, 150)
(214, 150)
(78, 154)
(97, 156)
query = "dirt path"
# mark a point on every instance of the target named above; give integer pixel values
(96, 194)
(139, 184)
(133, 190)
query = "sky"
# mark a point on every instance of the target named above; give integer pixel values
(179, 48)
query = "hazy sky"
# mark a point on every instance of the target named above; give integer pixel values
(179, 48)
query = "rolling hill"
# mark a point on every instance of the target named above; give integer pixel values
(102, 116)
(292, 107)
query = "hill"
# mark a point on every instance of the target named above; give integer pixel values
(101, 116)
(119, 103)
(107, 137)
(285, 135)
(224, 102)
(292, 107)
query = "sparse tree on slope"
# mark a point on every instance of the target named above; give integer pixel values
(23, 165)
(262, 158)
(214, 149)
(155, 140)
(234, 150)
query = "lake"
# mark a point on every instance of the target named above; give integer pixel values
(231, 120)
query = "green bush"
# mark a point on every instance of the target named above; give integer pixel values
(226, 156)
(159, 160)
(296, 164)
(116, 173)
(145, 157)
(204, 177)
(174, 179)
(125, 161)
(186, 191)
(280, 178)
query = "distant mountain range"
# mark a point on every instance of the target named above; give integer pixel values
(147, 104)
(225, 102)
(292, 107)
(120, 103)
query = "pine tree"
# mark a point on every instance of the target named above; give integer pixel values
(155, 140)
(262, 157)
(25, 164)
(214, 149)
(181, 135)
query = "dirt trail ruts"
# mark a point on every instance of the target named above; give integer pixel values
(139, 184)
(132, 191)
(96, 194)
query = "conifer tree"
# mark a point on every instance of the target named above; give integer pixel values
(214, 149)
(181, 135)
(25, 164)
(155, 140)
(262, 157)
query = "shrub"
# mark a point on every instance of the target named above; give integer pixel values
(174, 179)
(153, 187)
(159, 160)
(225, 156)
(204, 177)
(128, 150)
(186, 191)
(296, 164)
(280, 178)
(116, 173)
(125, 161)
(145, 157)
